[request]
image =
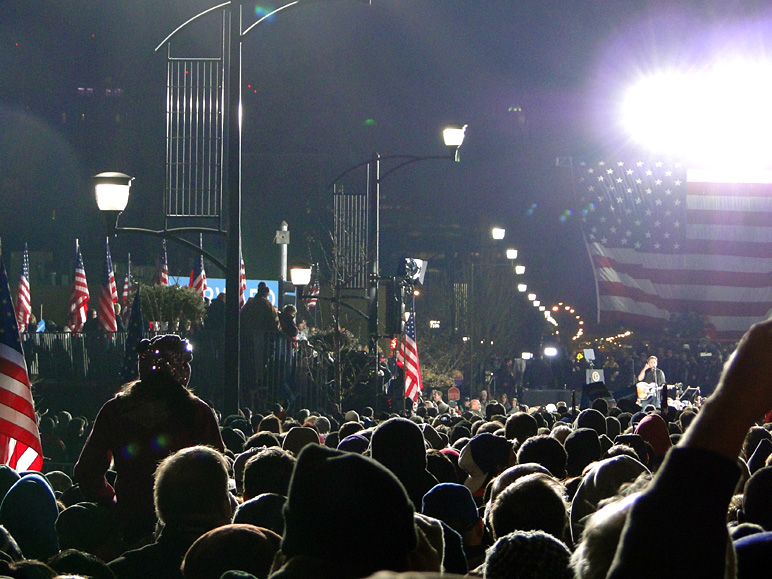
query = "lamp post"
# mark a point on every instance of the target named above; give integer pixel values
(453, 137)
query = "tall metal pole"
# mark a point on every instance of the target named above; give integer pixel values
(282, 240)
(232, 180)
(373, 238)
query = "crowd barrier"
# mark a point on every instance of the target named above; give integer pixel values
(272, 369)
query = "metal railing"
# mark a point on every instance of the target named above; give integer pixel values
(273, 369)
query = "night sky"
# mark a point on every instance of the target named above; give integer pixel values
(328, 84)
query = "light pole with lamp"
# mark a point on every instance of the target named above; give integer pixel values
(453, 137)
(229, 119)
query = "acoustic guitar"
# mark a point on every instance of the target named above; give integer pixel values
(646, 389)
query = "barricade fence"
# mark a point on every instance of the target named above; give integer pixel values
(273, 369)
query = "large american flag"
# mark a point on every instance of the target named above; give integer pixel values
(108, 296)
(665, 240)
(19, 437)
(407, 357)
(23, 304)
(79, 296)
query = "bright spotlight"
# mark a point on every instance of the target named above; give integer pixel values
(720, 113)
(550, 351)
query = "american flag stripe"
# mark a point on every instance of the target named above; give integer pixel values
(19, 437)
(636, 274)
(664, 241)
(18, 407)
(712, 307)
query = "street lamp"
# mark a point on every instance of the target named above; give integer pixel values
(112, 195)
(511, 254)
(498, 233)
(300, 274)
(454, 138)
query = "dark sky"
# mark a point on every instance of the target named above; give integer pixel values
(331, 83)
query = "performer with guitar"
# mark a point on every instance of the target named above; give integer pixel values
(649, 380)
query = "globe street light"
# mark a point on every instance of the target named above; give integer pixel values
(112, 191)
(112, 195)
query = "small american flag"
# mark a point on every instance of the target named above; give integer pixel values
(23, 304)
(127, 285)
(19, 437)
(79, 296)
(108, 296)
(313, 295)
(666, 241)
(198, 274)
(242, 283)
(407, 357)
(163, 274)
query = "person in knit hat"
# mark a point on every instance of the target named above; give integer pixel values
(653, 429)
(29, 513)
(366, 515)
(528, 555)
(583, 448)
(483, 458)
(591, 418)
(454, 505)
(546, 451)
(90, 528)
(399, 445)
(354, 443)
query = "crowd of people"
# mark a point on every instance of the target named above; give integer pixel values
(166, 487)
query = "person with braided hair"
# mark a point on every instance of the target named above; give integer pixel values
(147, 421)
